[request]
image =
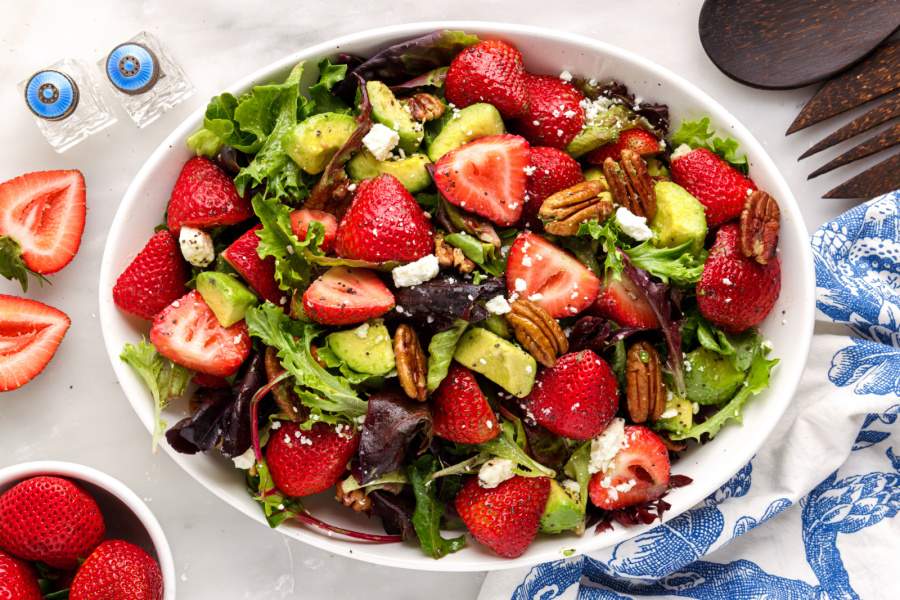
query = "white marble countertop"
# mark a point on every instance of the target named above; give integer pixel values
(75, 410)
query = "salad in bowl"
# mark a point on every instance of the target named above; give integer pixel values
(455, 295)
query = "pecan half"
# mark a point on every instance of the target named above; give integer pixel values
(425, 107)
(411, 365)
(537, 331)
(357, 499)
(760, 224)
(644, 388)
(565, 210)
(450, 257)
(630, 184)
(285, 398)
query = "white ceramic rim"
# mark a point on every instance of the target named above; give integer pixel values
(22, 471)
(802, 321)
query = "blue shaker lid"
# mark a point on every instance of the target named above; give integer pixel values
(51, 95)
(132, 68)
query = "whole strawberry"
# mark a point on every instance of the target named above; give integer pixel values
(17, 580)
(637, 140)
(505, 518)
(204, 196)
(554, 115)
(384, 223)
(491, 71)
(303, 463)
(258, 272)
(461, 412)
(638, 473)
(155, 278)
(49, 519)
(549, 171)
(736, 292)
(577, 398)
(117, 570)
(722, 189)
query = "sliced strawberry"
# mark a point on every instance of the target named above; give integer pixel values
(344, 296)
(490, 71)
(258, 272)
(303, 463)
(30, 333)
(638, 140)
(638, 473)
(620, 300)
(486, 177)
(461, 412)
(44, 212)
(549, 171)
(554, 115)
(204, 196)
(300, 220)
(188, 333)
(553, 278)
(155, 278)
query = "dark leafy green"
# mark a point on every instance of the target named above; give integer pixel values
(392, 424)
(429, 510)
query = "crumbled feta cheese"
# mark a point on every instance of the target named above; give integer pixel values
(414, 273)
(276, 425)
(536, 297)
(526, 261)
(362, 332)
(495, 471)
(605, 446)
(668, 414)
(380, 141)
(245, 460)
(520, 284)
(565, 76)
(572, 488)
(497, 305)
(680, 151)
(196, 246)
(632, 225)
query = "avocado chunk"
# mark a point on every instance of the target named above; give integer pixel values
(679, 217)
(594, 174)
(410, 171)
(710, 378)
(562, 512)
(656, 168)
(497, 324)
(683, 417)
(366, 349)
(227, 297)
(312, 142)
(472, 122)
(501, 361)
(602, 129)
(390, 112)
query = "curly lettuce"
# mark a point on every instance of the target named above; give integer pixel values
(698, 134)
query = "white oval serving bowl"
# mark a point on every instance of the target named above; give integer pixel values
(789, 326)
(127, 517)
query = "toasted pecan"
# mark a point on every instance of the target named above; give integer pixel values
(630, 184)
(425, 107)
(411, 366)
(564, 211)
(759, 227)
(644, 388)
(356, 499)
(537, 331)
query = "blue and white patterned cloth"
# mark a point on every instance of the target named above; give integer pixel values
(827, 479)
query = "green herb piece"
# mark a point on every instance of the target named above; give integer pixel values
(429, 510)
(12, 266)
(677, 264)
(697, 134)
(483, 254)
(440, 353)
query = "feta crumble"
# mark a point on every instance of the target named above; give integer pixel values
(565, 75)
(380, 141)
(680, 151)
(605, 446)
(632, 225)
(196, 246)
(245, 460)
(362, 332)
(414, 273)
(495, 471)
(498, 305)
(520, 284)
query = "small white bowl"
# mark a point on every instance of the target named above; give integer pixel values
(126, 516)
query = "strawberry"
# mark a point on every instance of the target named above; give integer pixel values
(638, 140)
(384, 222)
(638, 473)
(577, 397)
(204, 196)
(736, 292)
(344, 296)
(554, 115)
(153, 279)
(303, 463)
(17, 580)
(722, 189)
(491, 71)
(49, 519)
(258, 272)
(118, 570)
(31, 333)
(541, 272)
(300, 220)
(486, 177)
(505, 518)
(620, 300)
(188, 333)
(461, 412)
(549, 171)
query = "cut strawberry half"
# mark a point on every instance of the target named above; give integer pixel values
(300, 220)
(344, 296)
(188, 333)
(638, 473)
(258, 272)
(486, 177)
(44, 213)
(551, 277)
(30, 333)
(204, 196)
(638, 140)
(621, 301)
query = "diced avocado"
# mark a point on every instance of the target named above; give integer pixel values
(470, 123)
(679, 217)
(312, 142)
(367, 348)
(227, 297)
(498, 325)
(390, 112)
(562, 512)
(656, 168)
(410, 171)
(502, 362)
(594, 174)
(710, 378)
(684, 417)
(603, 129)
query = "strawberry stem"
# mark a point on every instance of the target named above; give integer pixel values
(307, 518)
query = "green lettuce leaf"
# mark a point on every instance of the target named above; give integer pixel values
(440, 353)
(293, 269)
(697, 134)
(320, 92)
(677, 264)
(607, 235)
(429, 510)
(739, 348)
(483, 254)
(577, 468)
(13, 267)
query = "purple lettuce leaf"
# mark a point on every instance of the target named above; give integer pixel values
(393, 423)
(656, 114)
(236, 436)
(597, 334)
(438, 303)
(395, 511)
(433, 78)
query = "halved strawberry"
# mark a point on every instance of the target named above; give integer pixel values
(153, 279)
(490, 71)
(638, 473)
(30, 333)
(258, 272)
(204, 196)
(541, 272)
(620, 300)
(486, 177)
(300, 220)
(44, 213)
(344, 296)
(461, 412)
(554, 115)
(188, 333)
(638, 140)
